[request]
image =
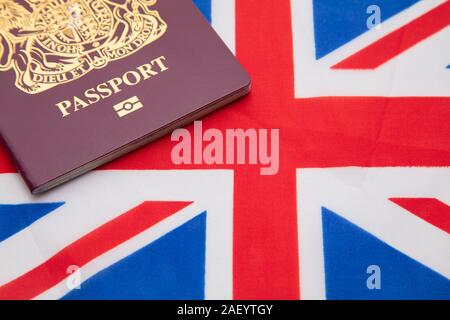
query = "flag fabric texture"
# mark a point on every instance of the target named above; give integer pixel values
(359, 209)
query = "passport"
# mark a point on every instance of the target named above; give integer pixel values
(86, 81)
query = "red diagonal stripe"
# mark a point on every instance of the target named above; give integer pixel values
(399, 41)
(429, 209)
(84, 250)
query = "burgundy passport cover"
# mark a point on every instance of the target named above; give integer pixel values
(81, 79)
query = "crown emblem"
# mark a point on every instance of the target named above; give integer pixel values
(58, 41)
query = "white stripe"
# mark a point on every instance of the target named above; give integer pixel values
(224, 21)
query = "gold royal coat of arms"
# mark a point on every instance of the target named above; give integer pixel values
(51, 42)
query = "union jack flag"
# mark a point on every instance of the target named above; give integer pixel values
(358, 210)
